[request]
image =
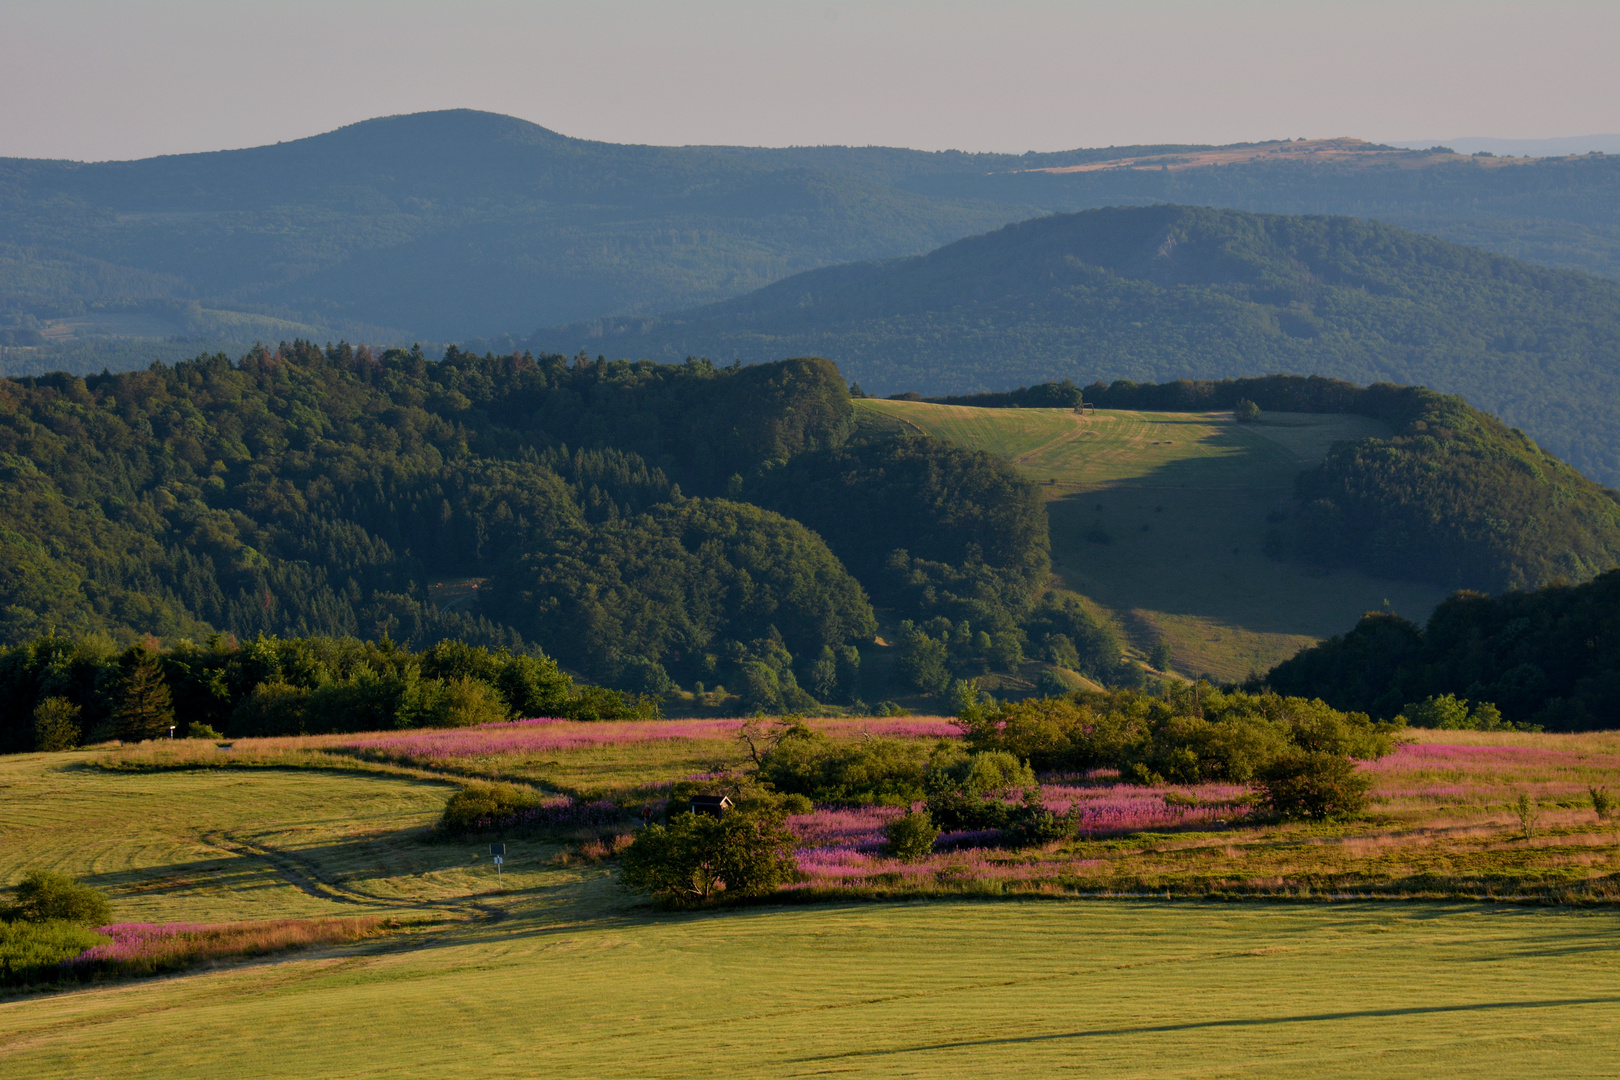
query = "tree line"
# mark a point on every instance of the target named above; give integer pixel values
(1548, 657)
(57, 692)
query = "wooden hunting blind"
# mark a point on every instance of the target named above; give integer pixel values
(713, 805)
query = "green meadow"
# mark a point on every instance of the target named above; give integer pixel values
(554, 971)
(1160, 519)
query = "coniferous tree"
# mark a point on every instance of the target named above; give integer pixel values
(144, 708)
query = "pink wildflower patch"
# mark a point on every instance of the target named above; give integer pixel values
(547, 736)
(146, 948)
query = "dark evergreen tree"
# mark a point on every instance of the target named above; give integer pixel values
(143, 708)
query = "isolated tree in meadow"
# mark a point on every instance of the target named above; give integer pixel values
(697, 857)
(46, 896)
(143, 708)
(1160, 657)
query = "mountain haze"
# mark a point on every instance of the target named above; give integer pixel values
(445, 224)
(461, 224)
(1168, 292)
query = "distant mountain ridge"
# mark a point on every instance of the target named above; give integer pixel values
(1166, 292)
(460, 224)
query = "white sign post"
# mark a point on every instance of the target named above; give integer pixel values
(499, 851)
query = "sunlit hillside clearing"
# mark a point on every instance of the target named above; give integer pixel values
(1161, 519)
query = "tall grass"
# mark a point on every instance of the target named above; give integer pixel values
(150, 948)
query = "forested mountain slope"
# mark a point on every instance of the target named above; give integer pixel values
(443, 226)
(1170, 292)
(591, 509)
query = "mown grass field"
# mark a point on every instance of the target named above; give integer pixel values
(1160, 518)
(559, 973)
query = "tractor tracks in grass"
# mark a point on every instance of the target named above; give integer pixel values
(1077, 428)
(307, 878)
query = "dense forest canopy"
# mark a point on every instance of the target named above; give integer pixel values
(1549, 657)
(929, 527)
(596, 505)
(1171, 292)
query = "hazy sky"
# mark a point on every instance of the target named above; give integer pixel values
(95, 80)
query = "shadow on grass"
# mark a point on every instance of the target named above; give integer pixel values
(1208, 1025)
(1189, 539)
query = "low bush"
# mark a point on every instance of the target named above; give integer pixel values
(1313, 786)
(696, 858)
(973, 792)
(481, 806)
(1602, 801)
(46, 896)
(32, 953)
(888, 772)
(1030, 824)
(910, 837)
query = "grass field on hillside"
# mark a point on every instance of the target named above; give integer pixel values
(560, 974)
(1441, 825)
(1161, 519)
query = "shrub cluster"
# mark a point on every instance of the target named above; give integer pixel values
(910, 837)
(1186, 735)
(48, 922)
(1314, 786)
(46, 896)
(888, 772)
(482, 807)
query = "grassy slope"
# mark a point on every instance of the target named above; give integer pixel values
(1182, 499)
(559, 974)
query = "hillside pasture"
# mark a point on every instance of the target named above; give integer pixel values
(557, 971)
(1160, 518)
(1442, 822)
